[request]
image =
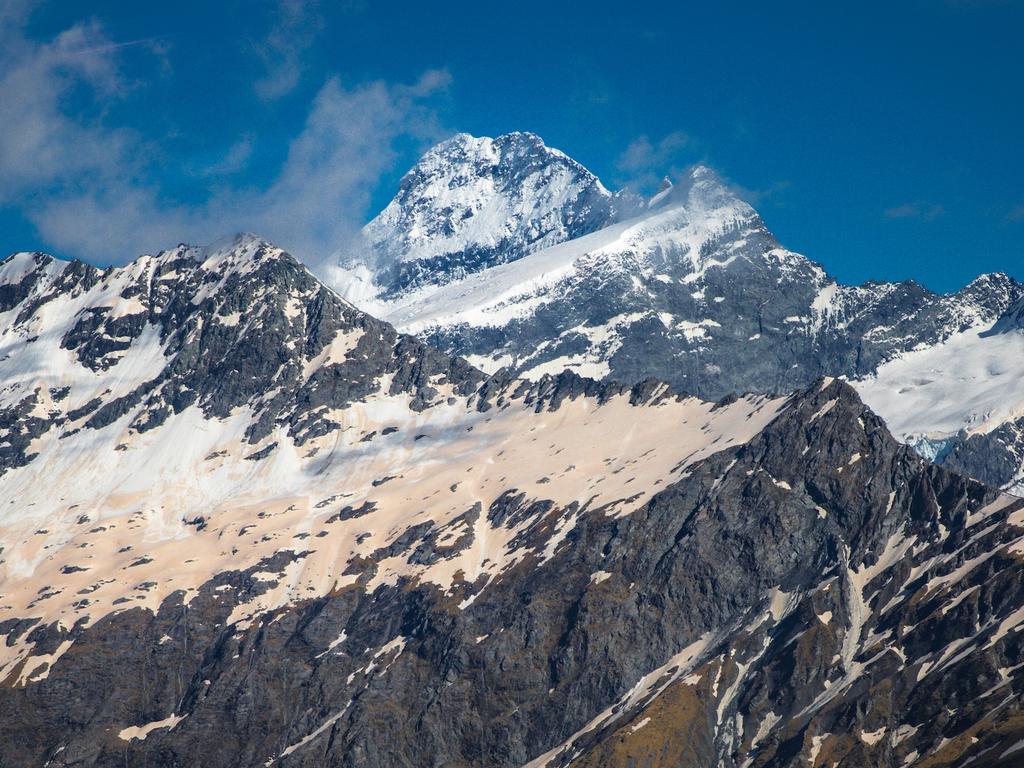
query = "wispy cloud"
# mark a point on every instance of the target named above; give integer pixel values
(314, 207)
(91, 190)
(41, 145)
(919, 210)
(772, 194)
(148, 42)
(1016, 214)
(645, 162)
(320, 198)
(295, 27)
(234, 160)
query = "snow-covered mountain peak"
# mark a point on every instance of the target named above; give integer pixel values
(705, 190)
(470, 203)
(992, 294)
(698, 200)
(17, 264)
(240, 254)
(990, 280)
(479, 210)
(707, 179)
(17, 267)
(464, 148)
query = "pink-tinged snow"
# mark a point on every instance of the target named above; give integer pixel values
(140, 732)
(116, 503)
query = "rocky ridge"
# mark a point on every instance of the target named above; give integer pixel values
(424, 565)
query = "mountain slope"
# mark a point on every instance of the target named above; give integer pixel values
(692, 288)
(408, 563)
(242, 326)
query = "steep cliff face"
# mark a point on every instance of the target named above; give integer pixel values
(875, 628)
(409, 563)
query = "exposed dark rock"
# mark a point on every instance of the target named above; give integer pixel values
(775, 558)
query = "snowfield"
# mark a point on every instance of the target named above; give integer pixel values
(974, 381)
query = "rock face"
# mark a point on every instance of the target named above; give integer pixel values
(1012, 320)
(692, 288)
(410, 563)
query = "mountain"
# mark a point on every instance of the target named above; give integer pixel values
(243, 326)
(246, 524)
(473, 203)
(692, 288)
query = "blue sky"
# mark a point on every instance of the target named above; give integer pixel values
(880, 139)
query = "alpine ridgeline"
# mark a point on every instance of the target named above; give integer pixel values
(511, 254)
(245, 524)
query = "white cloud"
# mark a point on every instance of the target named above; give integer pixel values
(919, 210)
(322, 194)
(644, 162)
(40, 145)
(295, 27)
(643, 154)
(87, 188)
(234, 160)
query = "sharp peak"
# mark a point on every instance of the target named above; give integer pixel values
(468, 144)
(462, 138)
(697, 176)
(708, 176)
(702, 171)
(45, 257)
(698, 186)
(241, 241)
(228, 242)
(34, 255)
(472, 155)
(232, 253)
(988, 278)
